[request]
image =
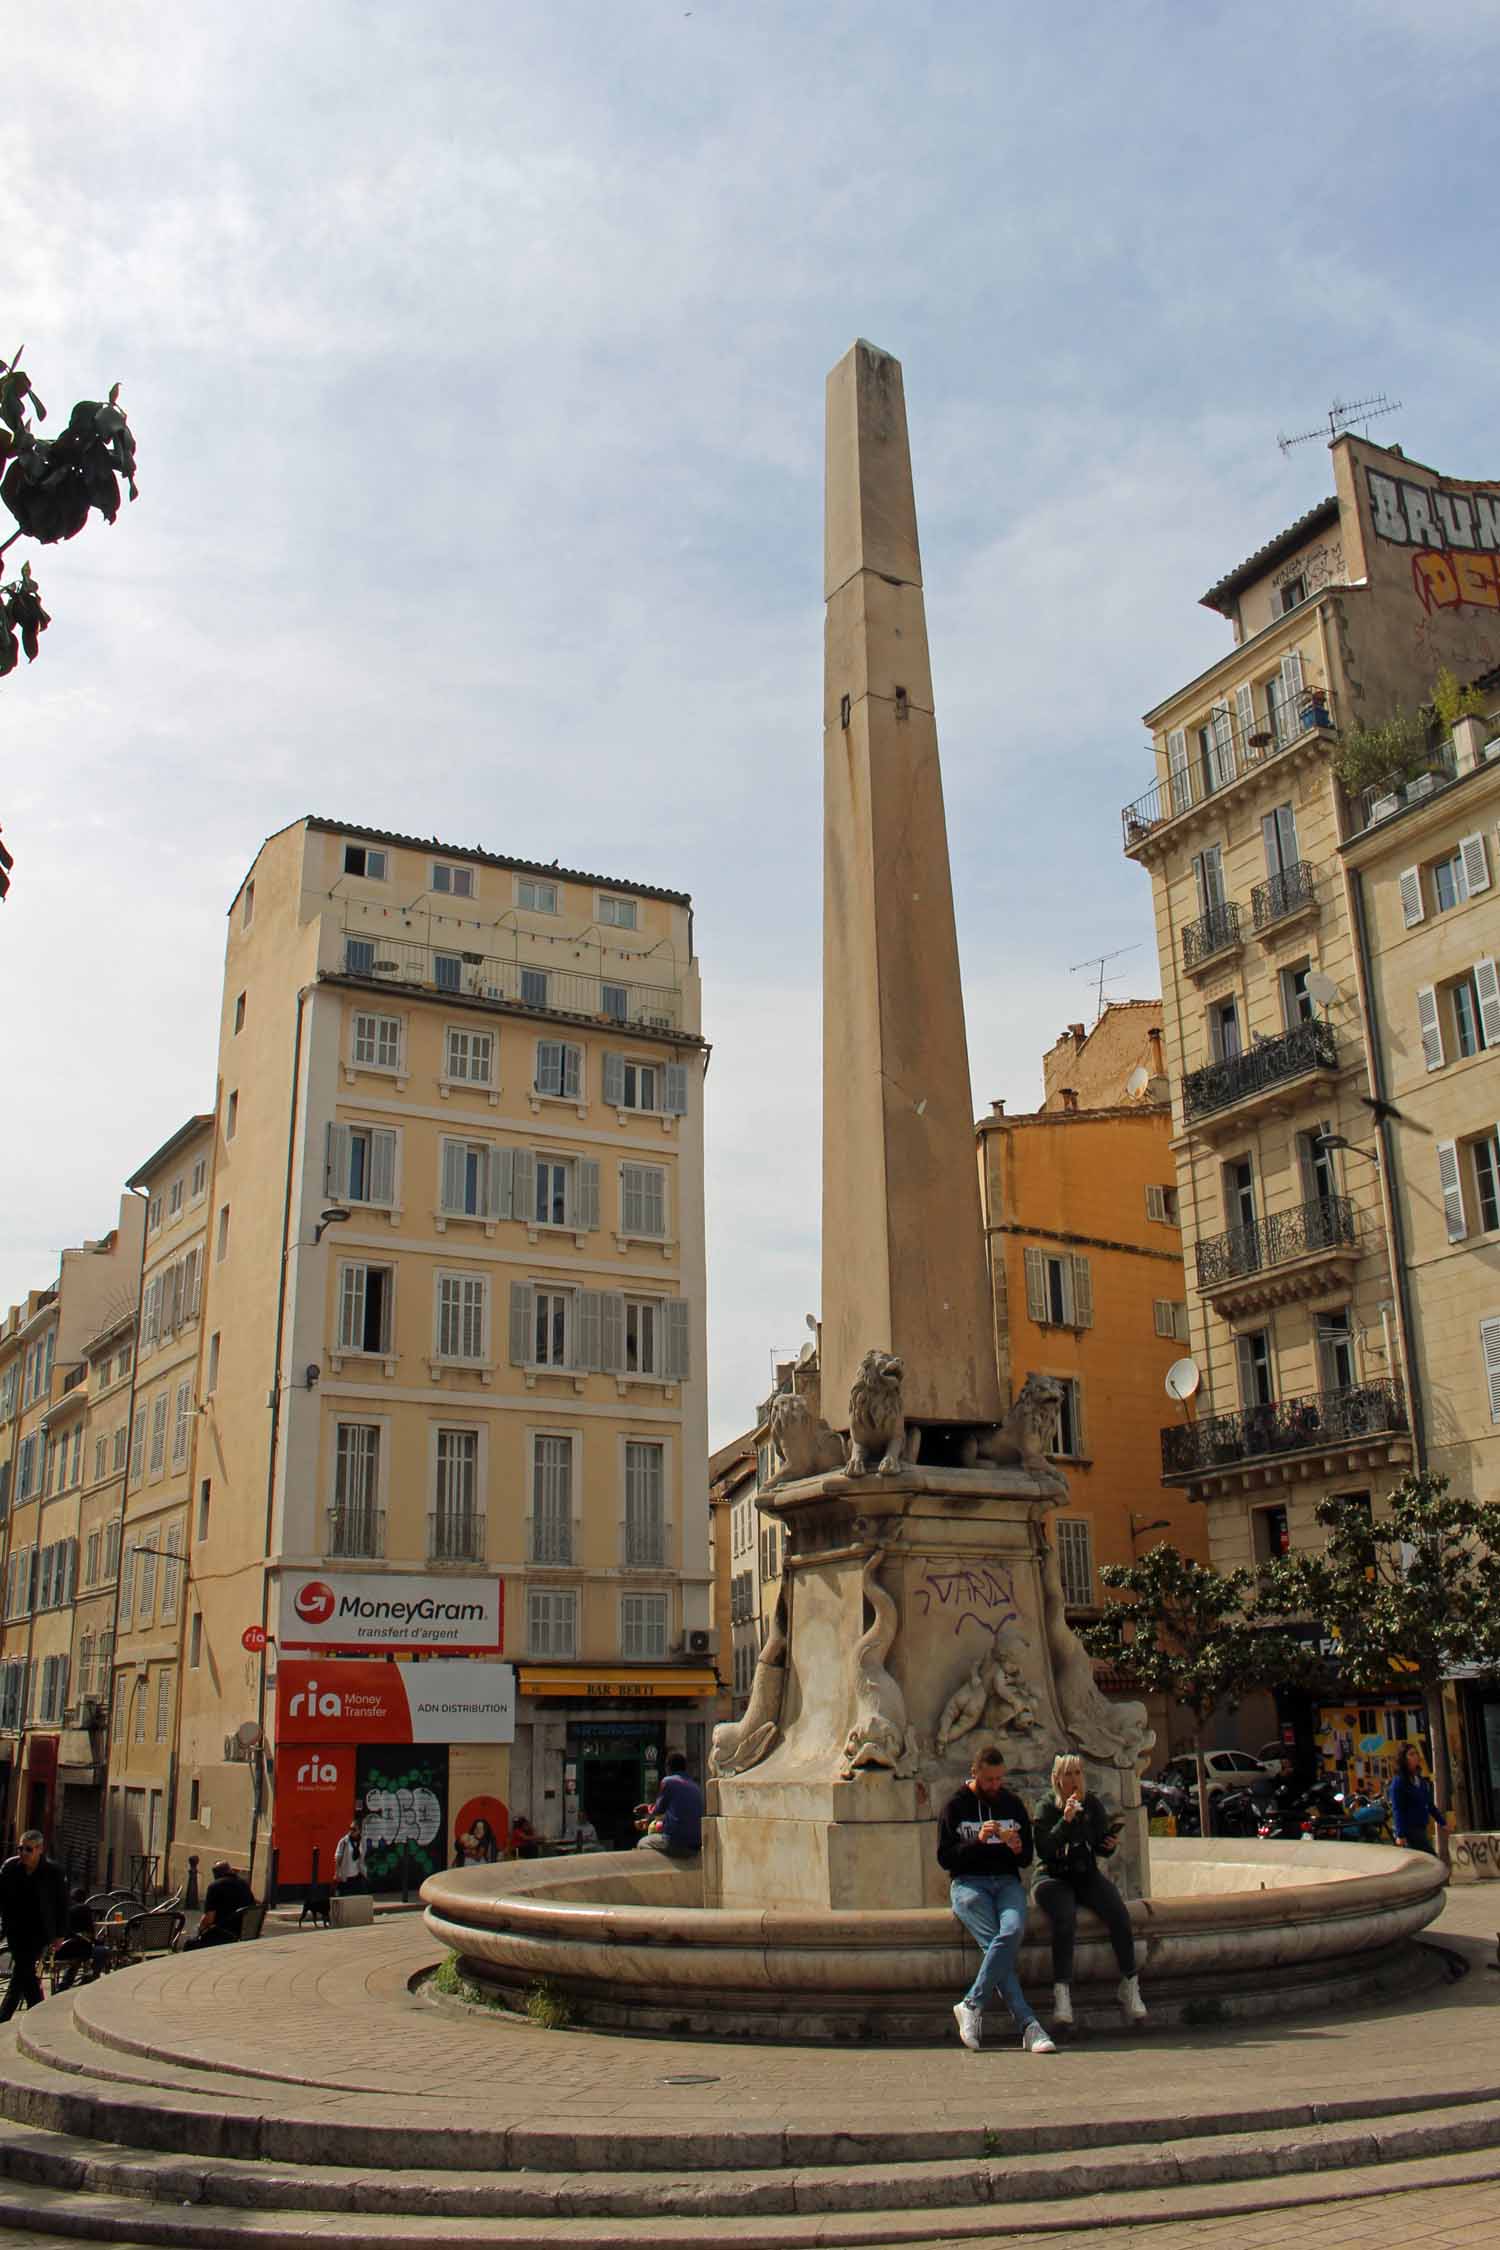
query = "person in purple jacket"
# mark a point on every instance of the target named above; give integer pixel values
(674, 1824)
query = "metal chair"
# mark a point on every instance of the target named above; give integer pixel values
(250, 1923)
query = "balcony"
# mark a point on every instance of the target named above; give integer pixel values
(456, 1535)
(1236, 753)
(1285, 896)
(1367, 1420)
(505, 982)
(355, 1532)
(1370, 806)
(1292, 1254)
(552, 1543)
(1263, 1077)
(1211, 937)
(645, 1547)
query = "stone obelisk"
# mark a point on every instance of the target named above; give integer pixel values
(903, 1250)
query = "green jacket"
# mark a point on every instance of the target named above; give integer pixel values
(1069, 1847)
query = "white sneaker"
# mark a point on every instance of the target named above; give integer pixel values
(1062, 2004)
(1132, 2006)
(970, 2025)
(1034, 2039)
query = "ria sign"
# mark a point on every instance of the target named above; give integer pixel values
(365, 1609)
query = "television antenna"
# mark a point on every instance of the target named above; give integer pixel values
(1342, 415)
(1097, 961)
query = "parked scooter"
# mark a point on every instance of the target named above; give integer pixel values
(1164, 1799)
(1236, 1812)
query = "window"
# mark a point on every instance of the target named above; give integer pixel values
(533, 988)
(645, 1516)
(454, 881)
(359, 957)
(1449, 884)
(195, 1640)
(534, 897)
(643, 1626)
(1171, 1320)
(614, 1002)
(559, 1069)
(1224, 1031)
(660, 1087)
(1208, 874)
(91, 1555)
(552, 1500)
(205, 1496)
(112, 1549)
(53, 1694)
(616, 913)
(1473, 1007)
(195, 1797)
(1161, 1205)
(470, 1187)
(642, 1336)
(122, 1440)
(1489, 1352)
(643, 1200)
(239, 1013)
(1484, 1161)
(1292, 593)
(356, 1489)
(1296, 1001)
(26, 1453)
(181, 1420)
(1070, 1419)
(469, 1056)
(551, 1621)
(1254, 1354)
(164, 1703)
(462, 1316)
(1216, 749)
(366, 1301)
(158, 1433)
(448, 972)
(247, 907)
(147, 1556)
(376, 1043)
(361, 1164)
(1271, 1535)
(221, 1245)
(231, 1123)
(1059, 1290)
(359, 859)
(8, 1391)
(1075, 1560)
(122, 1364)
(171, 1572)
(553, 1318)
(174, 1194)
(213, 1362)
(554, 1191)
(457, 1527)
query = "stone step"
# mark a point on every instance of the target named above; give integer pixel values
(65, 2216)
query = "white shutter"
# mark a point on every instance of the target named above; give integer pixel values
(1156, 1204)
(1410, 880)
(1489, 1344)
(476, 1295)
(454, 1168)
(383, 1166)
(1179, 778)
(1166, 1317)
(632, 1199)
(352, 1308)
(1036, 1286)
(572, 1073)
(614, 1080)
(1476, 863)
(1450, 1181)
(1083, 1294)
(588, 1330)
(522, 1322)
(523, 1186)
(677, 1101)
(588, 1193)
(195, 1284)
(1221, 739)
(675, 1367)
(613, 1354)
(1487, 986)
(1291, 687)
(502, 1172)
(1430, 1026)
(1244, 711)
(549, 1066)
(336, 1170)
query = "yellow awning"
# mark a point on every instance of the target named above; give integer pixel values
(609, 1683)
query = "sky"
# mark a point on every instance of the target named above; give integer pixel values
(475, 356)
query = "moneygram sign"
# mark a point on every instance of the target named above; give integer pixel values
(359, 1609)
(346, 1702)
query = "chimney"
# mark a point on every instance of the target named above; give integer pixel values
(1153, 1040)
(997, 1109)
(1070, 1097)
(1077, 1034)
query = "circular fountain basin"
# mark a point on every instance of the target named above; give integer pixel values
(1231, 1929)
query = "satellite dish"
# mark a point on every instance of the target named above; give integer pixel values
(810, 1322)
(808, 1351)
(248, 1733)
(1321, 988)
(1138, 1081)
(1183, 1379)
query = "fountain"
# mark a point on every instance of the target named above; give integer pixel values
(921, 1610)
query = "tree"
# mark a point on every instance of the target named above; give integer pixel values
(50, 486)
(1410, 1596)
(1195, 1635)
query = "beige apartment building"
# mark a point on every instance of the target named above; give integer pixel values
(109, 1360)
(1301, 1325)
(452, 1375)
(152, 1537)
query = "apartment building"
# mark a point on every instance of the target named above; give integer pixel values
(47, 1343)
(109, 1362)
(175, 1185)
(733, 1483)
(1085, 1257)
(453, 1355)
(1296, 1279)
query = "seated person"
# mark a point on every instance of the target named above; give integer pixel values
(674, 1824)
(1073, 1833)
(524, 1839)
(224, 1904)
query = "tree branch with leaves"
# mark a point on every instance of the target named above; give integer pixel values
(51, 487)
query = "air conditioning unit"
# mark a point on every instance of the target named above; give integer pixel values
(658, 1023)
(702, 1640)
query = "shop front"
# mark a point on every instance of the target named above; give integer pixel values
(591, 1744)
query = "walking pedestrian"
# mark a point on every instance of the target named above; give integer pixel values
(33, 1914)
(984, 1841)
(349, 1861)
(1073, 1833)
(1413, 1805)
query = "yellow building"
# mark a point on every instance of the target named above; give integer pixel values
(453, 1343)
(176, 1184)
(109, 1359)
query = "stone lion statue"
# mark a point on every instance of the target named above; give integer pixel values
(803, 1439)
(1029, 1432)
(877, 1425)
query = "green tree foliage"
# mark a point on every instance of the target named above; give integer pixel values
(1410, 1595)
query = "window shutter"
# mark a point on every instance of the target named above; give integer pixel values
(1156, 1203)
(675, 1366)
(588, 1193)
(1430, 1027)
(195, 1271)
(352, 1308)
(1036, 1286)
(70, 1577)
(453, 1175)
(502, 1181)
(1410, 880)
(1177, 770)
(523, 1185)
(1489, 1344)
(1450, 1180)
(1487, 986)
(1166, 1317)
(1083, 1294)
(677, 1101)
(614, 1080)
(383, 1166)
(336, 1170)
(1244, 709)
(1291, 683)
(1476, 863)
(588, 1331)
(1222, 738)
(613, 1354)
(572, 1073)
(632, 1199)
(522, 1322)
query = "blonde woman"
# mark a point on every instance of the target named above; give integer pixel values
(1073, 1833)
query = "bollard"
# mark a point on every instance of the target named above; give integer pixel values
(190, 1895)
(273, 1877)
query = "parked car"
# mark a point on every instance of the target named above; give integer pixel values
(1223, 1769)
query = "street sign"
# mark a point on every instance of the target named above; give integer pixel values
(253, 1638)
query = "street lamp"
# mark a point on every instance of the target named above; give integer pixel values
(1337, 1140)
(333, 1217)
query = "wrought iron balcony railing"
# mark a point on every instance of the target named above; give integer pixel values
(1212, 933)
(455, 1535)
(1285, 893)
(355, 1531)
(369, 952)
(551, 1541)
(1286, 1425)
(1229, 752)
(1327, 1224)
(1307, 1046)
(645, 1546)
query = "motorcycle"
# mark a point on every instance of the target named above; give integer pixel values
(1236, 1812)
(1165, 1800)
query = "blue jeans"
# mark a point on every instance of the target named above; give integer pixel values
(992, 1908)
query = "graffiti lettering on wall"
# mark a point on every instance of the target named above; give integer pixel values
(1452, 581)
(987, 1595)
(1435, 515)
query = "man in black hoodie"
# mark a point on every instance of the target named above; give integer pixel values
(984, 1840)
(33, 1911)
